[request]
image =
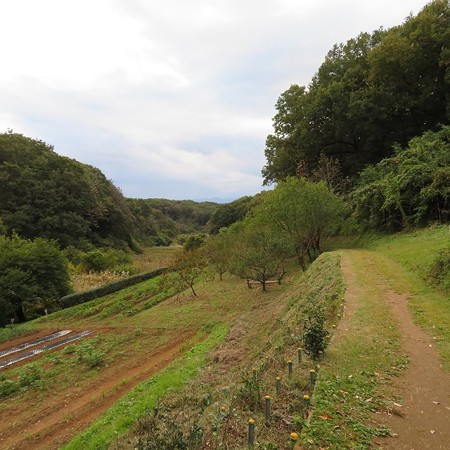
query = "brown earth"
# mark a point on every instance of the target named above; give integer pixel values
(422, 419)
(53, 420)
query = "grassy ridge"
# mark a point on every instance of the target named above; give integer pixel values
(361, 355)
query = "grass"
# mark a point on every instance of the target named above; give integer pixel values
(264, 331)
(118, 419)
(15, 331)
(351, 377)
(410, 255)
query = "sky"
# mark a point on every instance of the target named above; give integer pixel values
(168, 98)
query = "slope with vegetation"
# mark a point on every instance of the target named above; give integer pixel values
(364, 148)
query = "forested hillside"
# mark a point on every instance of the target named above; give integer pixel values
(43, 194)
(374, 91)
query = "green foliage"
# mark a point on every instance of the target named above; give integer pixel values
(194, 241)
(30, 375)
(231, 212)
(315, 336)
(373, 91)
(185, 270)
(439, 272)
(411, 188)
(218, 250)
(8, 388)
(46, 195)
(98, 261)
(303, 211)
(32, 274)
(88, 355)
(257, 251)
(160, 221)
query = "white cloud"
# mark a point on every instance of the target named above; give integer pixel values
(168, 98)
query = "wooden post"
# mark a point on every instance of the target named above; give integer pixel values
(251, 433)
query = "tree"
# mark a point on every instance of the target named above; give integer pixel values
(302, 210)
(411, 188)
(230, 213)
(46, 195)
(376, 90)
(218, 250)
(31, 274)
(186, 268)
(259, 250)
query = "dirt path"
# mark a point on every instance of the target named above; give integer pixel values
(422, 420)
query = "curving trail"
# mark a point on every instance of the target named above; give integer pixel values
(423, 421)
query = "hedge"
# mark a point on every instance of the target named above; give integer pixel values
(85, 296)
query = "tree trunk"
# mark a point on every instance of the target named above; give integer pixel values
(20, 314)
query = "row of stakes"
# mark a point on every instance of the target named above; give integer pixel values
(267, 410)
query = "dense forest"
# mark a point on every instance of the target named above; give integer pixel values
(365, 145)
(376, 91)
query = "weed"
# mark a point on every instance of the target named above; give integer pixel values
(87, 355)
(30, 375)
(8, 388)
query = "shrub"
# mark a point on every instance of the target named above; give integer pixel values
(87, 355)
(315, 336)
(30, 375)
(7, 388)
(440, 269)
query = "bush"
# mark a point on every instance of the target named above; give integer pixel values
(7, 388)
(439, 271)
(98, 261)
(30, 375)
(87, 355)
(315, 337)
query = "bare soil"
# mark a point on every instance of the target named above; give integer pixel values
(421, 420)
(53, 420)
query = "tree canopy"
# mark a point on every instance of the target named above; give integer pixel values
(43, 194)
(374, 91)
(33, 273)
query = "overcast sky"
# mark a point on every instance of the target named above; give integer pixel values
(168, 98)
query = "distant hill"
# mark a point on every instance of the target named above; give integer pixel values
(43, 194)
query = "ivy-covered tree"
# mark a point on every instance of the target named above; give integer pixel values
(33, 274)
(411, 188)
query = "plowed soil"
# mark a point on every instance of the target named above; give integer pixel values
(51, 421)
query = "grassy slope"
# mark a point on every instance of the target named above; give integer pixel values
(355, 377)
(263, 334)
